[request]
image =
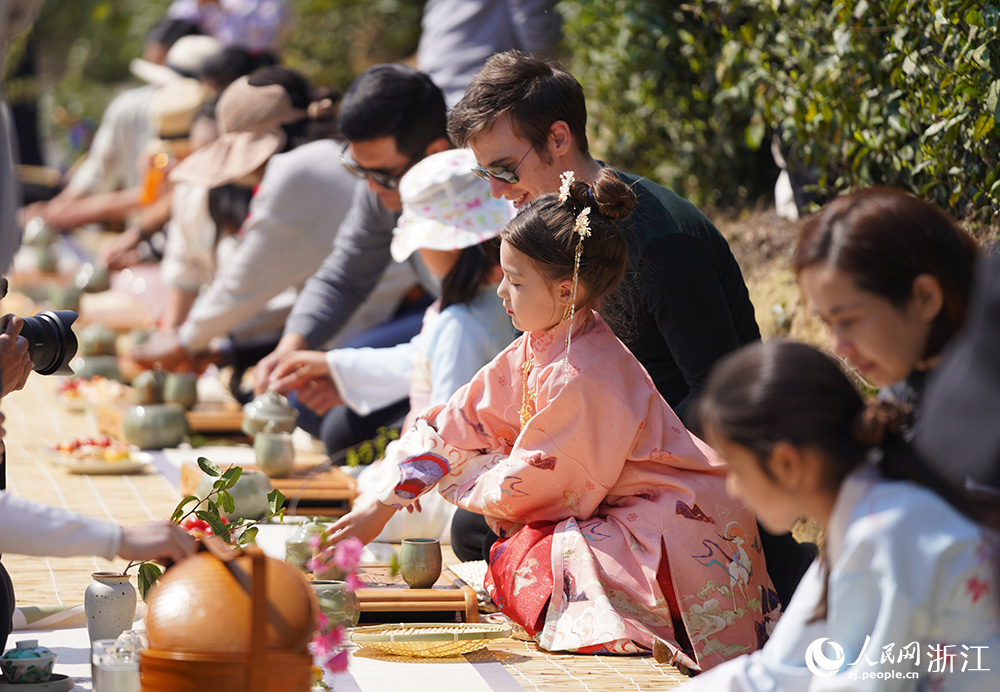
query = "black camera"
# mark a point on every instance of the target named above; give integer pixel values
(51, 341)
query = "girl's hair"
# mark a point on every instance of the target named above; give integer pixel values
(470, 271)
(228, 205)
(319, 103)
(782, 391)
(544, 230)
(884, 238)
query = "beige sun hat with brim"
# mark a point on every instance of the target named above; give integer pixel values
(249, 120)
(446, 206)
(174, 107)
(185, 60)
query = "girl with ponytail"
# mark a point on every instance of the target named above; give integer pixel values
(908, 574)
(615, 533)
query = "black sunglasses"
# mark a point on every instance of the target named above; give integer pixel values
(501, 173)
(389, 181)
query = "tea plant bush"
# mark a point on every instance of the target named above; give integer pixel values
(902, 92)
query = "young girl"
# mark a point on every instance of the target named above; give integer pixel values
(614, 526)
(890, 275)
(907, 579)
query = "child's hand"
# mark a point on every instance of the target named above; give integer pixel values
(365, 521)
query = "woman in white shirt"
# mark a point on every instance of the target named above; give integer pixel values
(904, 595)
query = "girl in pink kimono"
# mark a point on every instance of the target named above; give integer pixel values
(615, 529)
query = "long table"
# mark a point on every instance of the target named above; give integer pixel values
(36, 420)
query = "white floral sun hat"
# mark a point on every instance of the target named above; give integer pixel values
(446, 206)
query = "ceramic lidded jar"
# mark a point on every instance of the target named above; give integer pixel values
(270, 411)
(155, 426)
(27, 663)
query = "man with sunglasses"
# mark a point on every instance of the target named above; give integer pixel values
(525, 117)
(392, 116)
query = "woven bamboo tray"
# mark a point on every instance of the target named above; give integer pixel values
(427, 640)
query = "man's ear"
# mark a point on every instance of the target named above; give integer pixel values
(787, 466)
(560, 141)
(927, 297)
(437, 146)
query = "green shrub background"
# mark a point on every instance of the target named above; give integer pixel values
(901, 92)
(689, 93)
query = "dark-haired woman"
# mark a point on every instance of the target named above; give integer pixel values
(905, 596)
(614, 526)
(891, 276)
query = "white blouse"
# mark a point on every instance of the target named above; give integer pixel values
(912, 602)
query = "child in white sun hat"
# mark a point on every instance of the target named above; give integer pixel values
(450, 217)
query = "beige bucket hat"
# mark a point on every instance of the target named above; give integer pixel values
(249, 119)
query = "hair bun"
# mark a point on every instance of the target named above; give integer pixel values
(612, 195)
(878, 419)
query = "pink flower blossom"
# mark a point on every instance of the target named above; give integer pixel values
(348, 554)
(336, 663)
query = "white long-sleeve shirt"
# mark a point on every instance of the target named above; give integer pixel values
(33, 528)
(909, 574)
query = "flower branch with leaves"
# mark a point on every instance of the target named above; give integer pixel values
(207, 516)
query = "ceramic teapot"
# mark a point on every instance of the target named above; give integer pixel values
(271, 412)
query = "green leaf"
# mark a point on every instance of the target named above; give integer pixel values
(984, 124)
(218, 528)
(228, 503)
(209, 467)
(754, 135)
(179, 509)
(248, 536)
(232, 475)
(275, 501)
(993, 99)
(147, 576)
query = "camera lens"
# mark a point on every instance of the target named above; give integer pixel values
(51, 341)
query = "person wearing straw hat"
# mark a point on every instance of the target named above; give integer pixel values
(173, 111)
(276, 135)
(450, 218)
(105, 187)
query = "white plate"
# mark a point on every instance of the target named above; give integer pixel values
(137, 462)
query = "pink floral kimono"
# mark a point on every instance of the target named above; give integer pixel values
(591, 461)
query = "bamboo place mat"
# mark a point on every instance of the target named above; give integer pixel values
(36, 420)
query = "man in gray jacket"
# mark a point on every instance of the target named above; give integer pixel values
(392, 116)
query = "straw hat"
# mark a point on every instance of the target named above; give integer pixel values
(185, 59)
(446, 206)
(249, 120)
(174, 107)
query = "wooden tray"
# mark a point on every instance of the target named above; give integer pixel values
(219, 417)
(327, 493)
(381, 593)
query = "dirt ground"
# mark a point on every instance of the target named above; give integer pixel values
(763, 244)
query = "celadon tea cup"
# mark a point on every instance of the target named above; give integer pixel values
(420, 562)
